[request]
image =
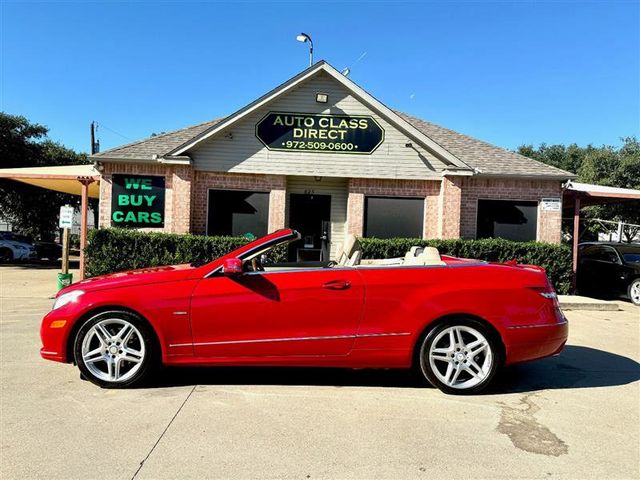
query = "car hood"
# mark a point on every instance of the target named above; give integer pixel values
(142, 276)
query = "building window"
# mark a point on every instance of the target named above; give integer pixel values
(233, 212)
(386, 217)
(513, 220)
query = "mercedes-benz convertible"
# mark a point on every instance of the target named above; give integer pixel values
(454, 321)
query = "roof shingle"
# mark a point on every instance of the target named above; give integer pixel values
(485, 158)
(158, 145)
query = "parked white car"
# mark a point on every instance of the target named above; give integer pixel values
(12, 250)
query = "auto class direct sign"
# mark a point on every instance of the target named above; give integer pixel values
(319, 133)
(137, 201)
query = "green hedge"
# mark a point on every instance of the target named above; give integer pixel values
(555, 259)
(113, 250)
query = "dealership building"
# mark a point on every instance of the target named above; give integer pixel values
(321, 155)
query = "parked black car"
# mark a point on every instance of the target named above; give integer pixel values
(606, 269)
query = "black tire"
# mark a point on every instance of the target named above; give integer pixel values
(143, 341)
(6, 255)
(464, 383)
(634, 287)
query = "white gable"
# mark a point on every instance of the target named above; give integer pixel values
(237, 149)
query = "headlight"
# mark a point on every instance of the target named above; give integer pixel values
(68, 297)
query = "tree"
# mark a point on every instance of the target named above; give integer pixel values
(606, 165)
(32, 210)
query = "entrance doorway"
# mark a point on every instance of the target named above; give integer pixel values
(310, 214)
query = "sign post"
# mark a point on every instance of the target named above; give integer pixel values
(66, 222)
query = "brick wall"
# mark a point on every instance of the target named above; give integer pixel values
(203, 181)
(177, 195)
(549, 223)
(361, 187)
(450, 206)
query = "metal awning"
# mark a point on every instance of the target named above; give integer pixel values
(65, 179)
(577, 195)
(83, 180)
(590, 194)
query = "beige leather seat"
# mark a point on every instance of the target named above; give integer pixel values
(413, 253)
(429, 256)
(350, 253)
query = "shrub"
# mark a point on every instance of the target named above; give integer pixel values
(114, 249)
(555, 259)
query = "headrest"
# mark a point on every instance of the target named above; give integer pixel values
(430, 256)
(413, 252)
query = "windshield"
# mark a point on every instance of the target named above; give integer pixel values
(260, 246)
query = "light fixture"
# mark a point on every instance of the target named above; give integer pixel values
(322, 97)
(304, 38)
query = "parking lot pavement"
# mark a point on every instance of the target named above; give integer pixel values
(572, 416)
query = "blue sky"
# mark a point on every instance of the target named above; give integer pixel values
(506, 72)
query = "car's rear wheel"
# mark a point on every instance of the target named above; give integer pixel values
(6, 255)
(114, 349)
(459, 356)
(634, 291)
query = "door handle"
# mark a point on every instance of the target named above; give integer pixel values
(337, 285)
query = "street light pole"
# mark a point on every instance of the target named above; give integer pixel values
(304, 38)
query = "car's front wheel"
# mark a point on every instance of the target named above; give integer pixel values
(634, 291)
(114, 349)
(460, 356)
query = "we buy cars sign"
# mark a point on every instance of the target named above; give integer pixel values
(137, 201)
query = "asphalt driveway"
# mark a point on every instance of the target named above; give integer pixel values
(572, 416)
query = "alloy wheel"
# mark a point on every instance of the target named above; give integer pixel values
(460, 357)
(113, 350)
(634, 292)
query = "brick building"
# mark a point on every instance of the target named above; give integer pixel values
(320, 154)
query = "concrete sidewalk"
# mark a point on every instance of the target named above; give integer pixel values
(573, 416)
(577, 302)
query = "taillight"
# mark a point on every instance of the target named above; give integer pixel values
(547, 292)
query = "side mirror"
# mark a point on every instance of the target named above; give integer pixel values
(232, 266)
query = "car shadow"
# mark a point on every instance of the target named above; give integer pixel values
(576, 367)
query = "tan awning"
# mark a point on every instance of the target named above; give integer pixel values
(61, 179)
(596, 194)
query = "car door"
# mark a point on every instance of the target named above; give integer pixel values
(605, 269)
(612, 269)
(279, 313)
(590, 269)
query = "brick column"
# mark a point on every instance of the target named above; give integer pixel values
(181, 178)
(277, 209)
(355, 214)
(550, 226)
(449, 207)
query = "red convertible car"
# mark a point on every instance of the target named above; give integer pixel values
(455, 321)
